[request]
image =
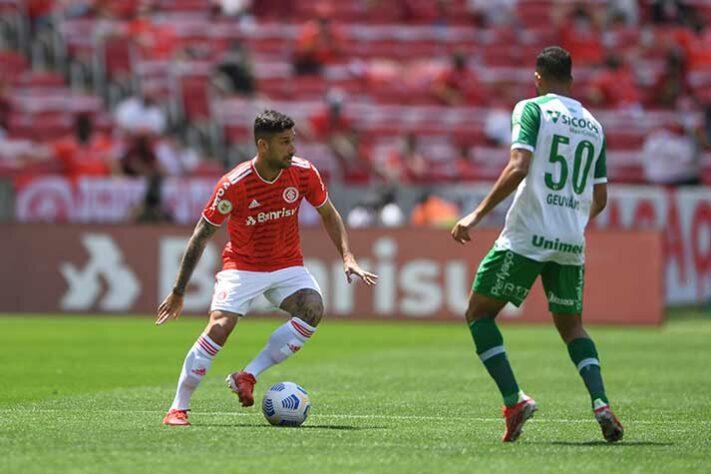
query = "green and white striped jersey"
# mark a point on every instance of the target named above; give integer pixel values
(551, 208)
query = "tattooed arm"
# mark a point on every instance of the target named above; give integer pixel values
(337, 232)
(173, 303)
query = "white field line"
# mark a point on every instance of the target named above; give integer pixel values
(538, 419)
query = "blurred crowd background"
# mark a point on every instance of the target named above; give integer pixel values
(389, 96)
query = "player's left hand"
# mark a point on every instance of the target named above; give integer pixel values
(170, 308)
(351, 267)
(460, 231)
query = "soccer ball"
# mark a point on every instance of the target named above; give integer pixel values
(286, 404)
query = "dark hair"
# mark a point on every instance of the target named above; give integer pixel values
(555, 63)
(270, 122)
(83, 127)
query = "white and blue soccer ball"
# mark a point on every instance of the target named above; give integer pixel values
(286, 404)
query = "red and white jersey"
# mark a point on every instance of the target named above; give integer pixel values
(264, 215)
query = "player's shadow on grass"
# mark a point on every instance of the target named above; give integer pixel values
(621, 444)
(308, 427)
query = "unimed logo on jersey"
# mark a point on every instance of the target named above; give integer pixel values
(270, 216)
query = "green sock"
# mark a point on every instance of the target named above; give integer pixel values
(584, 355)
(490, 348)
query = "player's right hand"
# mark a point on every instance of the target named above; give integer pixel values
(170, 308)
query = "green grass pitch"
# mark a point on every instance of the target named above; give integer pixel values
(88, 395)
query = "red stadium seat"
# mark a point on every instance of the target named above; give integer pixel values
(117, 56)
(195, 96)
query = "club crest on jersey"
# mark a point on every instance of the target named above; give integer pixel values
(291, 194)
(224, 206)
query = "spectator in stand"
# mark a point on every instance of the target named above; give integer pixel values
(320, 42)
(141, 114)
(615, 86)
(670, 11)
(580, 34)
(389, 213)
(404, 165)
(497, 127)
(364, 213)
(671, 156)
(174, 157)
(434, 211)
(140, 158)
(39, 13)
(356, 158)
(155, 40)
(493, 14)
(86, 153)
(124, 10)
(18, 154)
(377, 208)
(331, 126)
(624, 11)
(78, 8)
(5, 106)
(673, 84)
(329, 122)
(235, 9)
(152, 210)
(695, 41)
(234, 73)
(464, 166)
(457, 85)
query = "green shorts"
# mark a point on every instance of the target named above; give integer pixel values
(508, 276)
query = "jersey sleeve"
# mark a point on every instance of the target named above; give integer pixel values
(600, 175)
(316, 194)
(525, 122)
(221, 203)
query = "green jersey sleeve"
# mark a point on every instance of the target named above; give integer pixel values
(600, 175)
(525, 122)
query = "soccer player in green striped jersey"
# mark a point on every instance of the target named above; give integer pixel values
(557, 169)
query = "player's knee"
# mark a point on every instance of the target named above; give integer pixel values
(481, 306)
(476, 311)
(569, 327)
(221, 325)
(311, 312)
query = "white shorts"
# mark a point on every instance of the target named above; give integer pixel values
(236, 289)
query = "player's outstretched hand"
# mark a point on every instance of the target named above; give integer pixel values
(351, 267)
(460, 231)
(170, 308)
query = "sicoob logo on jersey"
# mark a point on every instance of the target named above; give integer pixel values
(291, 194)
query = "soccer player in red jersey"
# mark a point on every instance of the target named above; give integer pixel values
(261, 199)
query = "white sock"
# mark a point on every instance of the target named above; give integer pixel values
(197, 362)
(283, 343)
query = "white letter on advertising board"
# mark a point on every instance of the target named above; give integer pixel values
(457, 284)
(105, 260)
(385, 249)
(422, 293)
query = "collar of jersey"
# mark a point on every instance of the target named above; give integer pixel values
(254, 160)
(562, 97)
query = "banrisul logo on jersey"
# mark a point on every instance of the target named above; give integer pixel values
(271, 216)
(575, 122)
